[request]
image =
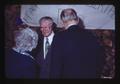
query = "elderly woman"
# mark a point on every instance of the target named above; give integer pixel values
(18, 62)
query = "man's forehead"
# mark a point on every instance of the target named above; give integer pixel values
(45, 21)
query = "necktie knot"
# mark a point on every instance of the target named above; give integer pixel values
(47, 41)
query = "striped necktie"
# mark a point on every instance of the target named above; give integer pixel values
(46, 46)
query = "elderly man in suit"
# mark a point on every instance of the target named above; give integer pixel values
(43, 56)
(75, 52)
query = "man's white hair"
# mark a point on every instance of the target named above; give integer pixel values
(26, 39)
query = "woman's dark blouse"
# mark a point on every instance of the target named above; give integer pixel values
(19, 66)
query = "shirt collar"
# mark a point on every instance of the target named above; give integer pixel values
(50, 37)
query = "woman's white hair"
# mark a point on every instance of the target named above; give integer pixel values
(26, 39)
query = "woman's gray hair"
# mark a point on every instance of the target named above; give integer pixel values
(26, 39)
(68, 14)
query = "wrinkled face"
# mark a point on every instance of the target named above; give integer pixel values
(46, 27)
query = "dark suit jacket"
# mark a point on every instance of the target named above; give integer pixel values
(19, 66)
(76, 54)
(43, 63)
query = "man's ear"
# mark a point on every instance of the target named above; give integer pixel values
(54, 25)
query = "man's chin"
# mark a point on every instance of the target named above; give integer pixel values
(46, 35)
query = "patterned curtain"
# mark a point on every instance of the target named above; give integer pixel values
(107, 40)
(11, 13)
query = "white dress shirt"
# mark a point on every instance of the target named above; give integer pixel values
(50, 39)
